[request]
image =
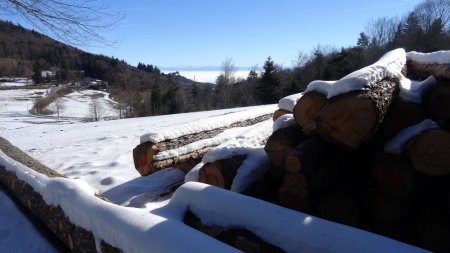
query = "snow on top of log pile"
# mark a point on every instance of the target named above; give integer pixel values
(207, 124)
(290, 230)
(284, 121)
(397, 144)
(389, 65)
(320, 86)
(412, 90)
(287, 103)
(438, 57)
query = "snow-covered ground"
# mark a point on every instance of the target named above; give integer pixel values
(15, 82)
(17, 233)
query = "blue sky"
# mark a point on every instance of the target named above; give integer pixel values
(171, 33)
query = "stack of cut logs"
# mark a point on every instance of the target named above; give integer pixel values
(333, 164)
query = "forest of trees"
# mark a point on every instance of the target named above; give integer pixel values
(144, 90)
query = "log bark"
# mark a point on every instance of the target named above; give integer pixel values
(351, 119)
(184, 162)
(144, 152)
(436, 101)
(400, 116)
(222, 172)
(278, 113)
(293, 192)
(420, 71)
(429, 152)
(307, 109)
(281, 143)
(239, 238)
(393, 175)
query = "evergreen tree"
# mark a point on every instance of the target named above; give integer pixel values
(269, 84)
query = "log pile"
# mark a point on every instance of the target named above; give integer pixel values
(144, 153)
(340, 171)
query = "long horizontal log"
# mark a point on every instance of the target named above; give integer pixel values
(239, 238)
(77, 239)
(184, 162)
(421, 71)
(144, 152)
(351, 119)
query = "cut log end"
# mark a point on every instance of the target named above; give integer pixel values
(212, 175)
(293, 193)
(278, 113)
(429, 152)
(143, 157)
(348, 120)
(292, 164)
(307, 109)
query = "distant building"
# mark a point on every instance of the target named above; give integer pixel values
(48, 74)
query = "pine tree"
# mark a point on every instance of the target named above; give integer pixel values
(269, 84)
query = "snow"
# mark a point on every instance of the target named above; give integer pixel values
(288, 103)
(207, 124)
(99, 153)
(397, 144)
(412, 90)
(16, 82)
(319, 86)
(284, 121)
(17, 233)
(78, 103)
(389, 65)
(439, 57)
(292, 231)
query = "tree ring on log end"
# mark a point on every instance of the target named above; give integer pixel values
(429, 152)
(211, 175)
(307, 109)
(348, 120)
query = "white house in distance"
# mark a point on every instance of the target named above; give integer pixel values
(48, 73)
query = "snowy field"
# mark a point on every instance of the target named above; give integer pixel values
(16, 82)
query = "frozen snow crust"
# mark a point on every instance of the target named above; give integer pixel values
(138, 230)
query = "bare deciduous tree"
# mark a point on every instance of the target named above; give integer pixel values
(74, 22)
(300, 60)
(228, 70)
(59, 106)
(96, 110)
(382, 30)
(431, 10)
